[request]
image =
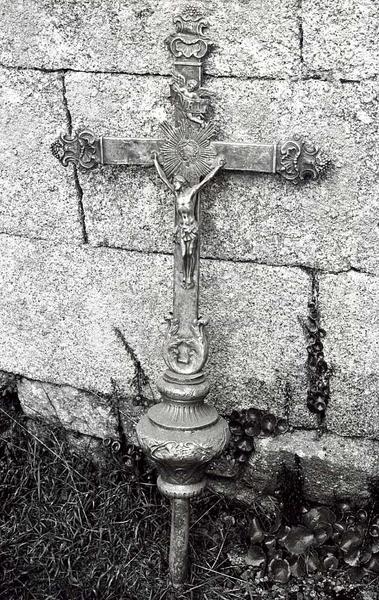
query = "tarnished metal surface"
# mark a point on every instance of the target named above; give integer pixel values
(116, 151)
(178, 558)
(80, 149)
(182, 434)
(294, 160)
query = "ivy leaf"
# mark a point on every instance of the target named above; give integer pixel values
(298, 540)
(351, 540)
(279, 570)
(298, 568)
(316, 517)
(352, 557)
(255, 556)
(313, 563)
(323, 533)
(256, 531)
(373, 565)
(330, 562)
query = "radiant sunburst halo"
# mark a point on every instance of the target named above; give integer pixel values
(186, 150)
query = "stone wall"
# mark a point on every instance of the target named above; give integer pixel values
(85, 259)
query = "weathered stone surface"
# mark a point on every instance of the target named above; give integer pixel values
(37, 198)
(341, 38)
(330, 225)
(95, 35)
(72, 408)
(60, 307)
(333, 466)
(257, 342)
(124, 206)
(350, 316)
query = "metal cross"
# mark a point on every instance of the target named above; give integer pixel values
(182, 434)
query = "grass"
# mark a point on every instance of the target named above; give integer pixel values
(75, 527)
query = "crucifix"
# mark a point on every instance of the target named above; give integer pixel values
(182, 434)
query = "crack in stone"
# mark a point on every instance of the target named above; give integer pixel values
(79, 190)
(308, 269)
(64, 70)
(81, 213)
(50, 402)
(318, 371)
(308, 77)
(140, 379)
(301, 30)
(115, 399)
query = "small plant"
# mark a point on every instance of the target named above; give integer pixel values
(247, 424)
(322, 541)
(318, 371)
(291, 491)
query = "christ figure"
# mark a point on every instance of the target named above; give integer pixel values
(187, 230)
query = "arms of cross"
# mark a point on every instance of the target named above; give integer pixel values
(295, 159)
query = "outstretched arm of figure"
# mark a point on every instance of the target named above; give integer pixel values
(220, 163)
(161, 172)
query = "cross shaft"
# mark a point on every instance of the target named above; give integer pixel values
(182, 434)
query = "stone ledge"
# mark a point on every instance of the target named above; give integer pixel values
(69, 407)
(333, 466)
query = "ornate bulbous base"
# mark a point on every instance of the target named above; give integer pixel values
(182, 435)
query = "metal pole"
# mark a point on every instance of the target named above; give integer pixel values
(178, 559)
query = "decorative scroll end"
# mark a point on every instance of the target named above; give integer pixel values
(79, 149)
(185, 351)
(299, 160)
(189, 40)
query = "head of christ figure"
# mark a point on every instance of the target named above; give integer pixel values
(178, 182)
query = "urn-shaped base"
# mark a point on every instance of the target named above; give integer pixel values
(182, 436)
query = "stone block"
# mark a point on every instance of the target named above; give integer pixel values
(333, 466)
(69, 407)
(257, 343)
(38, 199)
(129, 36)
(246, 217)
(341, 38)
(350, 316)
(61, 308)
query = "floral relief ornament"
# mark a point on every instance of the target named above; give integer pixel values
(185, 354)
